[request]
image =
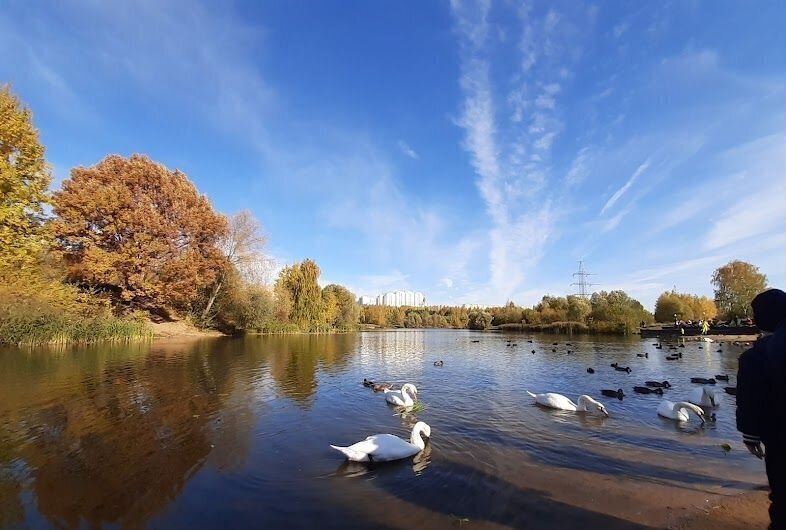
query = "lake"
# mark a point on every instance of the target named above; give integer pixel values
(235, 433)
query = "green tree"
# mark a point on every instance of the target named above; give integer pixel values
(616, 311)
(413, 320)
(736, 285)
(342, 309)
(300, 282)
(579, 308)
(24, 180)
(479, 320)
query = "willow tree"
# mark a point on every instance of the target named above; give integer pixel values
(24, 180)
(143, 232)
(299, 283)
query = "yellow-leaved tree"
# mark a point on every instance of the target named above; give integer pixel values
(24, 181)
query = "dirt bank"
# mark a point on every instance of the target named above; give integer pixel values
(180, 329)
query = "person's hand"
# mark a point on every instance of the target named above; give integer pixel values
(755, 449)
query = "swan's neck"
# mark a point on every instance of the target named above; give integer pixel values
(407, 396)
(417, 439)
(687, 407)
(583, 403)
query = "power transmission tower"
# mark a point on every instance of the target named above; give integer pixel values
(584, 287)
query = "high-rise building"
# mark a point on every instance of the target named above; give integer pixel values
(395, 299)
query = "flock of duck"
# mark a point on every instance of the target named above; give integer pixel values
(388, 447)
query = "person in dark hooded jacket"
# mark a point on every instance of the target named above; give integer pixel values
(761, 397)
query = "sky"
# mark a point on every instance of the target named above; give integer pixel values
(471, 150)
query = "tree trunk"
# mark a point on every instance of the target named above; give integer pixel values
(212, 299)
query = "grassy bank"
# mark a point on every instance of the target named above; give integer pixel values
(60, 329)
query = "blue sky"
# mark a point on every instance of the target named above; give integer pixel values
(471, 150)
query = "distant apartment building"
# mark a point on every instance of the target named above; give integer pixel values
(395, 299)
(367, 300)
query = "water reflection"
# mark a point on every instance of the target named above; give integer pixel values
(140, 435)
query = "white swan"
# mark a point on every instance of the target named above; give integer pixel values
(387, 447)
(405, 397)
(703, 397)
(679, 411)
(558, 401)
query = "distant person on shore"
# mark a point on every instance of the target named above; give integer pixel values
(761, 395)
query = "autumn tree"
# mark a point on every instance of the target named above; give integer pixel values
(619, 310)
(686, 306)
(341, 309)
(736, 284)
(139, 230)
(579, 308)
(299, 282)
(24, 180)
(479, 320)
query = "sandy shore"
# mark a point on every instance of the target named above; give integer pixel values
(742, 512)
(180, 329)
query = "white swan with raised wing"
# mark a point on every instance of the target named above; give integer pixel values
(679, 411)
(405, 397)
(387, 447)
(703, 397)
(558, 401)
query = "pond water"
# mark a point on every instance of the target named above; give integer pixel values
(235, 433)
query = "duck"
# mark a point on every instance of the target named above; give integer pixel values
(703, 381)
(529, 341)
(656, 384)
(703, 397)
(558, 401)
(533, 351)
(474, 341)
(619, 394)
(377, 387)
(648, 390)
(731, 390)
(590, 371)
(387, 447)
(439, 363)
(722, 377)
(405, 397)
(645, 354)
(679, 411)
(672, 357)
(622, 368)
(681, 346)
(554, 350)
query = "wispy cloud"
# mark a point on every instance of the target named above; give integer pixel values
(407, 150)
(620, 192)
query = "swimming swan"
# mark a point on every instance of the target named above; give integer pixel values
(387, 447)
(405, 397)
(679, 411)
(703, 397)
(558, 401)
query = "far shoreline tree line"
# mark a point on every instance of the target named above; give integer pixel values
(128, 241)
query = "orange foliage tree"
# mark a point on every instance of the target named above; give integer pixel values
(134, 228)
